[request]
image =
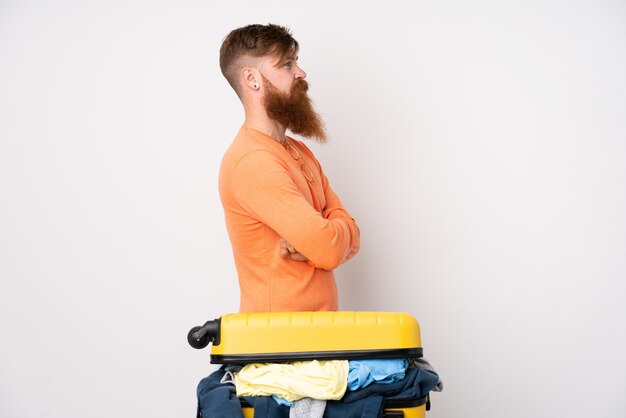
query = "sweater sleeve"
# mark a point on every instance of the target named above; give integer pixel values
(263, 187)
(334, 210)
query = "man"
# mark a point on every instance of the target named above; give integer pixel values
(287, 227)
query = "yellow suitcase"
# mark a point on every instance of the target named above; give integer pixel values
(295, 336)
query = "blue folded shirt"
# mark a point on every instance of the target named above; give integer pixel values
(365, 372)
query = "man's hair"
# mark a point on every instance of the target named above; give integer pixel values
(243, 45)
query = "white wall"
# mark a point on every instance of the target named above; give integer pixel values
(480, 145)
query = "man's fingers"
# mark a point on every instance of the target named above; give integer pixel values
(298, 257)
(284, 251)
(287, 251)
(285, 245)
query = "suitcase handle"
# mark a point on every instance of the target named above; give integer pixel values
(200, 337)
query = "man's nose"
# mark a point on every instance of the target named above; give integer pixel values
(300, 72)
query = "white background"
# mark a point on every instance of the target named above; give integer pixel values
(481, 145)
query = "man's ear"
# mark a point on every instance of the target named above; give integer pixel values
(249, 78)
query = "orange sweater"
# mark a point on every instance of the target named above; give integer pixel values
(265, 197)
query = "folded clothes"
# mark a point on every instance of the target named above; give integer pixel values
(315, 379)
(364, 372)
(416, 384)
(218, 400)
(307, 408)
(422, 363)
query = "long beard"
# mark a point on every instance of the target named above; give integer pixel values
(294, 110)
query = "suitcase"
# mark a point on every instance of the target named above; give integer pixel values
(296, 336)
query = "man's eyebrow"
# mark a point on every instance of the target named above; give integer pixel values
(285, 59)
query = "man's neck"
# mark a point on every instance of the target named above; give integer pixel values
(265, 125)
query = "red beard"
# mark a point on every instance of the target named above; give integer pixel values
(294, 110)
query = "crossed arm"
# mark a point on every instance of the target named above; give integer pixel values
(264, 187)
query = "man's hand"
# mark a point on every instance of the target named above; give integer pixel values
(287, 251)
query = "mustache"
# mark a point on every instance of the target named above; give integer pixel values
(300, 86)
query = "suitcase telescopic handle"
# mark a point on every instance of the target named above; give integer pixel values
(200, 337)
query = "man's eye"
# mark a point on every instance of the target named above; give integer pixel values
(288, 64)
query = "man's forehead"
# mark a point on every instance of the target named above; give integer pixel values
(277, 58)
